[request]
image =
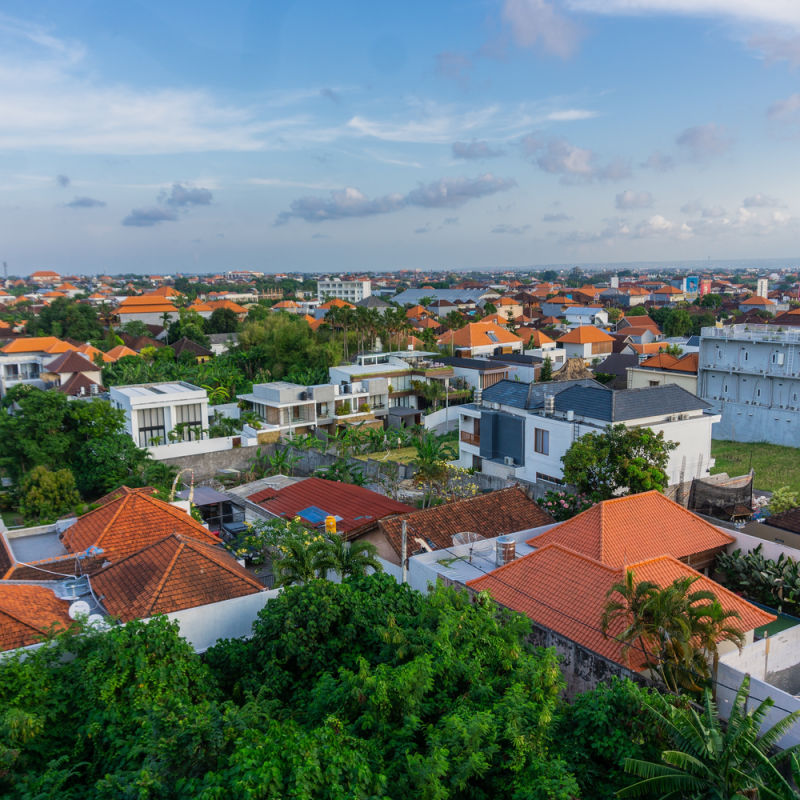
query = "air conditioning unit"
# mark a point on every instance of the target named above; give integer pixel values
(508, 461)
(304, 395)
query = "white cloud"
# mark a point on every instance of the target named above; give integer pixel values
(538, 23)
(703, 142)
(659, 162)
(570, 115)
(785, 109)
(474, 150)
(781, 12)
(575, 164)
(629, 199)
(760, 200)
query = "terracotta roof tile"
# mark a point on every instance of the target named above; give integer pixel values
(490, 515)
(27, 613)
(132, 521)
(565, 591)
(478, 334)
(584, 335)
(359, 508)
(171, 574)
(634, 528)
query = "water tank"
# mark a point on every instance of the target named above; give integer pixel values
(549, 404)
(506, 550)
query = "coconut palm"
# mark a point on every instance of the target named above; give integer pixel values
(297, 562)
(715, 762)
(346, 560)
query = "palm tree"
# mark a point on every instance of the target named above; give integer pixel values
(712, 626)
(297, 563)
(346, 560)
(716, 762)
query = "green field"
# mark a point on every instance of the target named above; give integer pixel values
(402, 455)
(774, 465)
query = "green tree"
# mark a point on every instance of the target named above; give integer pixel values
(189, 325)
(636, 311)
(783, 499)
(222, 320)
(135, 327)
(617, 461)
(347, 560)
(46, 495)
(546, 373)
(66, 318)
(677, 323)
(711, 301)
(709, 760)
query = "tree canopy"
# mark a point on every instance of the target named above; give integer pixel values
(66, 318)
(618, 460)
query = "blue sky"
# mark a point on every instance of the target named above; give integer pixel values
(282, 135)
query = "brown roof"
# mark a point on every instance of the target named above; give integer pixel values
(71, 361)
(79, 384)
(635, 528)
(171, 574)
(185, 345)
(490, 515)
(27, 613)
(787, 520)
(565, 591)
(130, 522)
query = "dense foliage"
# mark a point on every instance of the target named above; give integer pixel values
(41, 428)
(65, 318)
(618, 460)
(765, 580)
(46, 494)
(363, 689)
(562, 505)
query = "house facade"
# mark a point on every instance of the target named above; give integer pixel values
(156, 413)
(521, 431)
(351, 291)
(750, 374)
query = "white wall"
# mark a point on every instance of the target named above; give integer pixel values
(747, 543)
(177, 449)
(445, 417)
(692, 456)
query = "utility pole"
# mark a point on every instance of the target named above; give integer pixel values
(404, 552)
(5, 272)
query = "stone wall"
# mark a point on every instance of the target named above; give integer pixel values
(207, 465)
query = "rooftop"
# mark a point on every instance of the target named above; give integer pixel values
(157, 392)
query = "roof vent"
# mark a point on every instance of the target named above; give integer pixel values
(506, 550)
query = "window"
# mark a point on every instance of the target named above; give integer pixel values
(376, 401)
(653, 383)
(541, 443)
(540, 476)
(151, 427)
(777, 358)
(190, 420)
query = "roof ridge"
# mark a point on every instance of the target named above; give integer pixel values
(24, 622)
(175, 512)
(584, 556)
(220, 561)
(167, 572)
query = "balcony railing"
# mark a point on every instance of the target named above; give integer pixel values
(470, 438)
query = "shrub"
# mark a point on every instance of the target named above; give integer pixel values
(561, 505)
(45, 495)
(343, 409)
(783, 499)
(364, 408)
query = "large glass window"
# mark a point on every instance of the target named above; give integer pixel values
(151, 427)
(189, 421)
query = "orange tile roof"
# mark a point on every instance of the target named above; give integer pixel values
(229, 304)
(634, 528)
(38, 344)
(476, 334)
(538, 338)
(92, 352)
(336, 303)
(171, 574)
(585, 334)
(120, 351)
(755, 300)
(130, 522)
(285, 304)
(415, 311)
(27, 613)
(67, 287)
(506, 301)
(199, 306)
(565, 591)
(496, 319)
(660, 361)
(165, 291)
(45, 273)
(648, 347)
(667, 290)
(562, 300)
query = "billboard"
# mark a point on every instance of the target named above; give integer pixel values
(692, 284)
(705, 286)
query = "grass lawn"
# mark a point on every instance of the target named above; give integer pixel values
(403, 455)
(774, 464)
(12, 519)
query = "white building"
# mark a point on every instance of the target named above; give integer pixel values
(520, 431)
(351, 291)
(751, 375)
(291, 408)
(157, 413)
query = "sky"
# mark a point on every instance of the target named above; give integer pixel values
(303, 135)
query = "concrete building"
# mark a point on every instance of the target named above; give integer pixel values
(351, 291)
(663, 368)
(520, 431)
(156, 413)
(290, 408)
(25, 360)
(751, 375)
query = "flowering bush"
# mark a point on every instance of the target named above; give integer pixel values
(561, 505)
(269, 540)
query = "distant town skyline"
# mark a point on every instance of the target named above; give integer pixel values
(309, 136)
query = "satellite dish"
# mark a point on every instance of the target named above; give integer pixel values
(98, 622)
(79, 607)
(477, 544)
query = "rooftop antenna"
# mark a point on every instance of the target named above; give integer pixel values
(5, 271)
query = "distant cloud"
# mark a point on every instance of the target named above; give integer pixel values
(703, 142)
(691, 208)
(331, 95)
(759, 200)
(85, 202)
(784, 109)
(450, 221)
(424, 229)
(556, 218)
(320, 236)
(538, 23)
(777, 48)
(474, 150)
(515, 230)
(63, 181)
(181, 196)
(574, 164)
(147, 217)
(713, 212)
(570, 115)
(659, 162)
(629, 199)
(350, 202)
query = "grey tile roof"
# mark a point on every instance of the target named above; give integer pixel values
(617, 364)
(531, 395)
(479, 364)
(453, 295)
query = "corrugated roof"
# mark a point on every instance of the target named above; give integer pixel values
(359, 508)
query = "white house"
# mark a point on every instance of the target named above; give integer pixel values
(351, 291)
(585, 315)
(154, 410)
(586, 342)
(521, 430)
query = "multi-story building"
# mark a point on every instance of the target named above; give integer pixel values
(158, 413)
(351, 291)
(751, 376)
(290, 408)
(521, 431)
(25, 360)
